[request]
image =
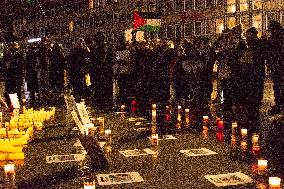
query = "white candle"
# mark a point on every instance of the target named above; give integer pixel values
(154, 116)
(262, 165)
(154, 106)
(274, 182)
(9, 168)
(179, 108)
(244, 132)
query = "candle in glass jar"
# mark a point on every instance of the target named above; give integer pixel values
(244, 145)
(234, 125)
(108, 134)
(205, 118)
(255, 139)
(154, 106)
(155, 139)
(244, 132)
(179, 108)
(9, 168)
(274, 182)
(154, 116)
(262, 165)
(179, 117)
(122, 108)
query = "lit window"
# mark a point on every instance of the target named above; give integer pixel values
(243, 5)
(231, 22)
(257, 22)
(188, 29)
(256, 4)
(245, 22)
(219, 25)
(231, 6)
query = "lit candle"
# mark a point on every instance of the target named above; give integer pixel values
(108, 134)
(179, 117)
(255, 140)
(154, 116)
(244, 132)
(89, 185)
(154, 106)
(234, 125)
(9, 168)
(262, 165)
(179, 108)
(122, 108)
(244, 145)
(220, 124)
(154, 139)
(274, 182)
(205, 118)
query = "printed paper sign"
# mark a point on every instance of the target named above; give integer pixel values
(229, 179)
(166, 137)
(198, 152)
(65, 158)
(15, 100)
(137, 152)
(119, 178)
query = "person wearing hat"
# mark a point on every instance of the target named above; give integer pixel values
(276, 63)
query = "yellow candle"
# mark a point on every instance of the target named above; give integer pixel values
(262, 165)
(244, 132)
(274, 182)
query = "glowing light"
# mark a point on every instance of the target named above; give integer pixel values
(34, 40)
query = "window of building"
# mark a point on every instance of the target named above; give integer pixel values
(257, 23)
(231, 6)
(198, 28)
(243, 5)
(178, 31)
(231, 22)
(179, 6)
(188, 29)
(269, 17)
(209, 3)
(219, 25)
(170, 32)
(256, 4)
(245, 22)
(199, 4)
(208, 27)
(189, 5)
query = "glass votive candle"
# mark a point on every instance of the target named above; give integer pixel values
(155, 139)
(244, 132)
(9, 169)
(244, 145)
(108, 134)
(154, 116)
(255, 139)
(154, 106)
(274, 182)
(122, 108)
(179, 117)
(89, 185)
(261, 166)
(179, 108)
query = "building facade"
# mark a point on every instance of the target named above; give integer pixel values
(63, 21)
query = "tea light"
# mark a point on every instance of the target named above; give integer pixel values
(262, 165)
(154, 106)
(154, 116)
(122, 108)
(9, 168)
(244, 132)
(89, 185)
(154, 139)
(274, 182)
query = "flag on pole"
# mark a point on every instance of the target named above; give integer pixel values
(146, 21)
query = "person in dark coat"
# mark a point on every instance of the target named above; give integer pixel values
(276, 64)
(77, 68)
(13, 72)
(57, 66)
(31, 68)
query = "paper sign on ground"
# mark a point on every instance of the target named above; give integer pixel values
(166, 137)
(137, 152)
(119, 178)
(15, 101)
(65, 158)
(228, 179)
(198, 152)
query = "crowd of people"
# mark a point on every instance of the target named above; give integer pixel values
(155, 72)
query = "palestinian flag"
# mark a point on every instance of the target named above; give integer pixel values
(146, 21)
